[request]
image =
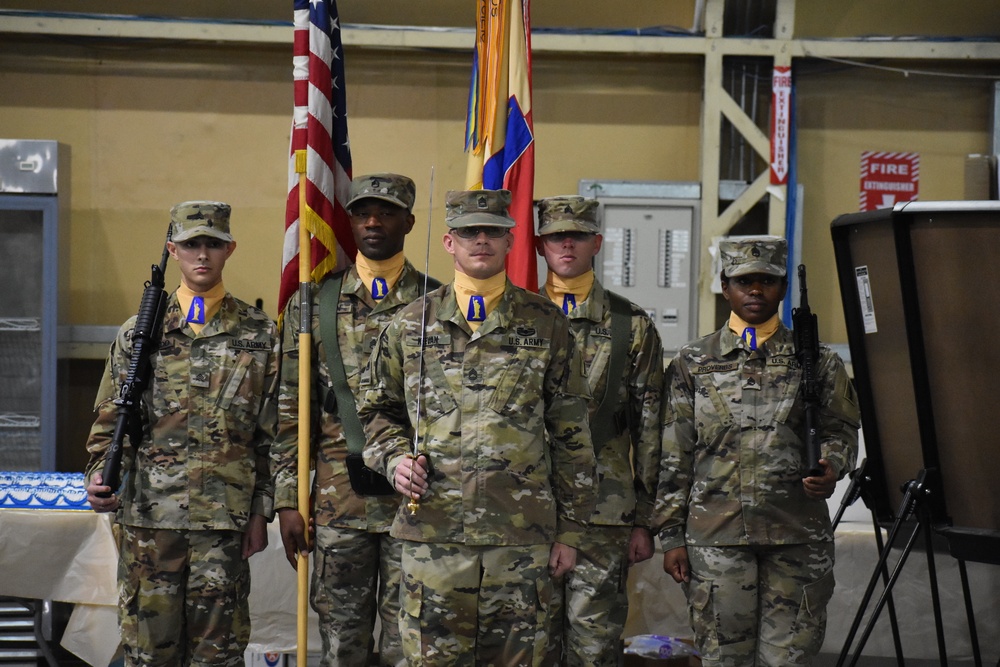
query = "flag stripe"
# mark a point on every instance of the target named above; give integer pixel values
(499, 128)
(319, 127)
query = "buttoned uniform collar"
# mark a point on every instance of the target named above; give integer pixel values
(499, 318)
(226, 320)
(594, 308)
(403, 292)
(781, 343)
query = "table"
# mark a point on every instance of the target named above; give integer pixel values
(71, 556)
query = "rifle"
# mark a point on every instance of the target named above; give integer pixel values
(145, 340)
(807, 352)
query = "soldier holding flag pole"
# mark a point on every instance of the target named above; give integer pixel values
(356, 562)
(317, 232)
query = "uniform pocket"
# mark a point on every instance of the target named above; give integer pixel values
(128, 589)
(435, 394)
(517, 390)
(234, 378)
(811, 618)
(166, 389)
(816, 595)
(701, 597)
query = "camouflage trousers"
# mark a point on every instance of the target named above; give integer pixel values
(354, 574)
(760, 605)
(475, 606)
(183, 597)
(591, 606)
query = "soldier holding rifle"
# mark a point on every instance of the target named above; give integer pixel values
(744, 527)
(196, 492)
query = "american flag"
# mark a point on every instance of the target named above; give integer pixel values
(319, 129)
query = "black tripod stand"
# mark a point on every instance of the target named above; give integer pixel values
(915, 491)
(861, 487)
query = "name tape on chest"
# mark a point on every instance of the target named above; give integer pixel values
(727, 367)
(430, 340)
(731, 366)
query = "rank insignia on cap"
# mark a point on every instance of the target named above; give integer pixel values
(482, 203)
(196, 313)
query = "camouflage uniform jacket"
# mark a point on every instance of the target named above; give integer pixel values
(732, 443)
(209, 419)
(487, 401)
(359, 321)
(628, 465)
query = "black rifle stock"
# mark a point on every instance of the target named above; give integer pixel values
(807, 351)
(145, 339)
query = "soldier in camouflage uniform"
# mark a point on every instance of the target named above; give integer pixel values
(627, 451)
(196, 493)
(356, 566)
(748, 537)
(500, 505)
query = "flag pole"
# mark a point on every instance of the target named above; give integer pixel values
(305, 389)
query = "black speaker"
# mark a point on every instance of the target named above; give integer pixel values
(916, 282)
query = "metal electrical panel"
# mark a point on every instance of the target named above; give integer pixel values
(650, 257)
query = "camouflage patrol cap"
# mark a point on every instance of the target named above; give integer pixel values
(472, 208)
(393, 188)
(567, 213)
(754, 254)
(200, 218)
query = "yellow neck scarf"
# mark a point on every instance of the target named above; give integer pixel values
(200, 307)
(567, 292)
(477, 298)
(753, 336)
(380, 275)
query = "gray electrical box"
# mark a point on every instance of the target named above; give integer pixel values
(650, 251)
(650, 257)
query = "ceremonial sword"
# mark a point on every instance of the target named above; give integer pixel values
(414, 504)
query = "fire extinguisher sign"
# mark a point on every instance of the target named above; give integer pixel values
(888, 178)
(781, 115)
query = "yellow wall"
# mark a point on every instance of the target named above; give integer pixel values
(843, 112)
(150, 124)
(144, 134)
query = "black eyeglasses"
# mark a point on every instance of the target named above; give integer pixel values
(474, 232)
